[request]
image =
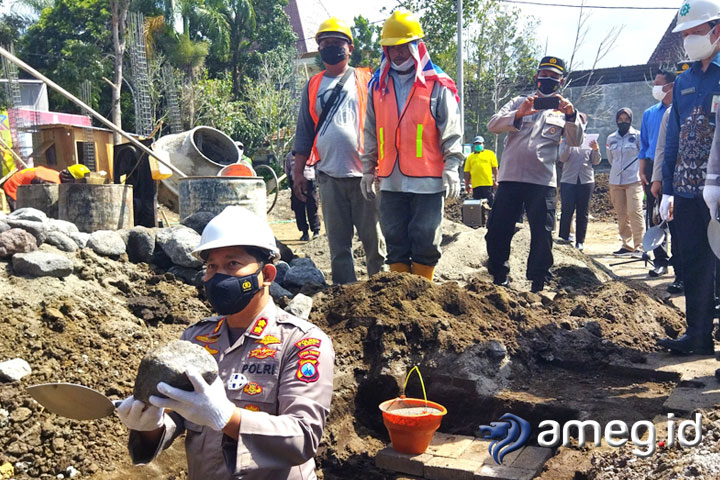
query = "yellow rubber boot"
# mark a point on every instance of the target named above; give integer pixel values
(400, 267)
(423, 270)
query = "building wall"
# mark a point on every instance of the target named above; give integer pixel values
(608, 99)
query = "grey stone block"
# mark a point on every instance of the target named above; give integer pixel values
(277, 292)
(37, 229)
(60, 240)
(301, 275)
(31, 214)
(168, 364)
(14, 370)
(178, 243)
(61, 226)
(41, 264)
(282, 269)
(141, 244)
(81, 238)
(198, 220)
(300, 306)
(106, 242)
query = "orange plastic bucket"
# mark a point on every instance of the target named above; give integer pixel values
(411, 423)
(240, 169)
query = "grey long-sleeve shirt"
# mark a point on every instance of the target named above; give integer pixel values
(533, 142)
(660, 148)
(447, 117)
(578, 164)
(622, 152)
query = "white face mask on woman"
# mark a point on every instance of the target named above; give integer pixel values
(699, 47)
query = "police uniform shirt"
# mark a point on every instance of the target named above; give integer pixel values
(532, 143)
(280, 371)
(578, 164)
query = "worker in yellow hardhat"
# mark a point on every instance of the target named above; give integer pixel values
(77, 171)
(39, 175)
(416, 154)
(329, 136)
(264, 415)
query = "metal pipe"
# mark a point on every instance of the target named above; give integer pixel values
(81, 104)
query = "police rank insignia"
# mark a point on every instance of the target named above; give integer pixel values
(263, 352)
(268, 340)
(308, 342)
(259, 326)
(308, 370)
(252, 388)
(237, 381)
(252, 408)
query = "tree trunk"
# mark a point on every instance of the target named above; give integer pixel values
(119, 17)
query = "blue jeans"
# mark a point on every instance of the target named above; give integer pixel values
(412, 226)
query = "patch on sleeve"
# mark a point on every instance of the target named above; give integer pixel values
(252, 408)
(308, 370)
(308, 342)
(263, 352)
(308, 354)
(237, 381)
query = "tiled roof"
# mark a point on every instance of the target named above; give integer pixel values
(305, 17)
(670, 49)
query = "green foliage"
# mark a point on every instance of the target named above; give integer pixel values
(10, 27)
(70, 43)
(366, 39)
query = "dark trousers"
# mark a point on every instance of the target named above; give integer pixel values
(411, 224)
(698, 264)
(306, 212)
(575, 200)
(676, 258)
(484, 192)
(539, 204)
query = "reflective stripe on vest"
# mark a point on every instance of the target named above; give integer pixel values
(362, 78)
(417, 124)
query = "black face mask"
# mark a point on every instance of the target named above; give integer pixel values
(333, 54)
(229, 294)
(623, 127)
(548, 85)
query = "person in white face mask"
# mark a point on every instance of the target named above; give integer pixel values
(691, 128)
(649, 129)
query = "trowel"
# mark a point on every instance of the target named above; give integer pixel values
(73, 401)
(654, 237)
(713, 233)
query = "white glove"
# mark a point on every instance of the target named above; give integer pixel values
(451, 183)
(367, 186)
(711, 195)
(665, 204)
(140, 417)
(207, 405)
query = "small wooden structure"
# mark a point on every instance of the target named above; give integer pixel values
(61, 145)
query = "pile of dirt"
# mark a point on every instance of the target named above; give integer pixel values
(470, 343)
(600, 204)
(82, 330)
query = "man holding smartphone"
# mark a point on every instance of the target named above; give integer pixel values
(535, 126)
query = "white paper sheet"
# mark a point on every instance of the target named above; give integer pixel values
(589, 137)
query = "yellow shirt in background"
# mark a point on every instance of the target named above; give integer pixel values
(480, 166)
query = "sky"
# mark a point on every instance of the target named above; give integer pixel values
(642, 29)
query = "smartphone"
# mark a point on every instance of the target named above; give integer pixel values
(546, 103)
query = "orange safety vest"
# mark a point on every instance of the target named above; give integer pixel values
(362, 78)
(26, 176)
(396, 134)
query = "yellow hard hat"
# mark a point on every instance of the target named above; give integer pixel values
(334, 25)
(402, 27)
(78, 171)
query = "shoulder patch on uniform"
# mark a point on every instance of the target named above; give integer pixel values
(308, 354)
(308, 371)
(308, 342)
(252, 408)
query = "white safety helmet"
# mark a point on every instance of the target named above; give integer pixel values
(696, 12)
(237, 226)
